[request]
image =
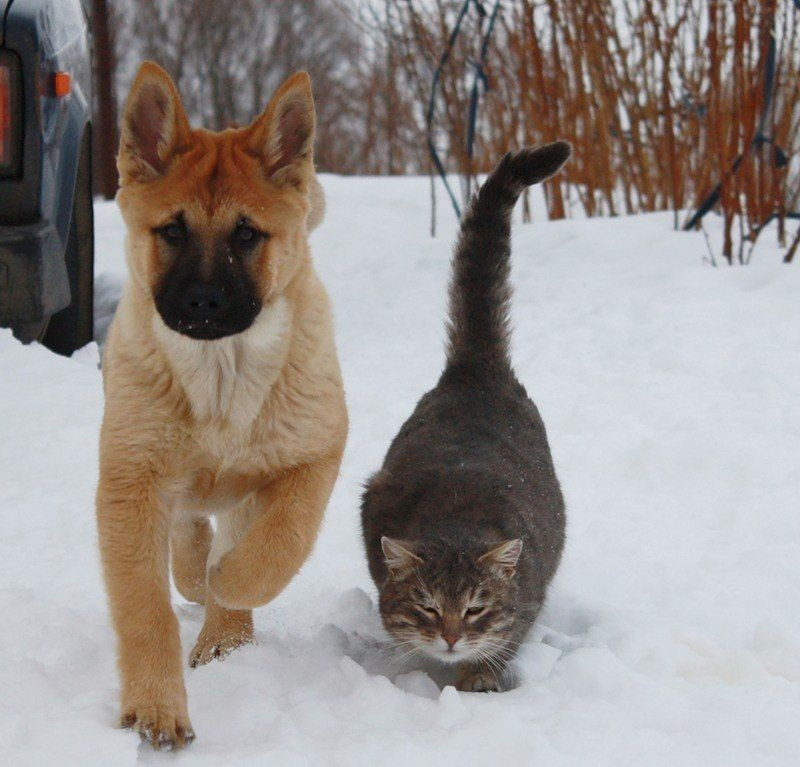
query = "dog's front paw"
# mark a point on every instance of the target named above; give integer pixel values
(231, 584)
(164, 727)
(477, 680)
(219, 640)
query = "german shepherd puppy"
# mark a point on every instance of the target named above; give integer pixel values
(223, 389)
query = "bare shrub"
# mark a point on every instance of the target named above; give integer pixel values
(227, 58)
(662, 99)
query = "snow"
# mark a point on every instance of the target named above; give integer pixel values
(671, 635)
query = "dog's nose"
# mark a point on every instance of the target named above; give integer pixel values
(202, 302)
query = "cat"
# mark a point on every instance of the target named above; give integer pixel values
(464, 524)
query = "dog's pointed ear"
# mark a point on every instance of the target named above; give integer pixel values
(154, 126)
(282, 137)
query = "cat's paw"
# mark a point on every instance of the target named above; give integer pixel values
(478, 680)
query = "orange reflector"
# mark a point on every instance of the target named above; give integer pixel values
(62, 84)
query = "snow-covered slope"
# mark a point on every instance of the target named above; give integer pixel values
(672, 635)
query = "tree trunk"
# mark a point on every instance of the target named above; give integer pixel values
(104, 130)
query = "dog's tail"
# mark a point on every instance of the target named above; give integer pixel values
(479, 289)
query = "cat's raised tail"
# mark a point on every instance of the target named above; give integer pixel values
(479, 289)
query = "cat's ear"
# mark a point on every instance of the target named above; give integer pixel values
(154, 126)
(503, 557)
(398, 555)
(283, 136)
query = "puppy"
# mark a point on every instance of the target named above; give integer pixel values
(223, 390)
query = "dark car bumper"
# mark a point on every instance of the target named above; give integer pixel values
(33, 275)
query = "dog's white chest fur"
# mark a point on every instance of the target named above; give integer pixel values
(227, 380)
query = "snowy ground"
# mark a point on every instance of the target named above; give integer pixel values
(672, 635)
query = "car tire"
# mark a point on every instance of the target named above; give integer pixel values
(73, 327)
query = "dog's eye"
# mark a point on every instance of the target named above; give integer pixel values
(245, 234)
(474, 611)
(173, 232)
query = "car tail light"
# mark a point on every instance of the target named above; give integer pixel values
(62, 84)
(10, 115)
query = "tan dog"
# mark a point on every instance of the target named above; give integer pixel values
(223, 390)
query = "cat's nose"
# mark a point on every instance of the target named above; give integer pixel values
(450, 638)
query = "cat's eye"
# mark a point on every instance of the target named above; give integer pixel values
(474, 611)
(430, 610)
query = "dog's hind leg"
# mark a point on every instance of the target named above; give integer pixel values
(224, 630)
(190, 542)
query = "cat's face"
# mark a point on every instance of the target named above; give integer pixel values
(454, 605)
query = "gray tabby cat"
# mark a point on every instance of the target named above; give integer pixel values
(464, 523)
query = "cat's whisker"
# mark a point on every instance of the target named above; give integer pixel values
(497, 654)
(383, 652)
(394, 646)
(405, 657)
(492, 666)
(500, 656)
(498, 645)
